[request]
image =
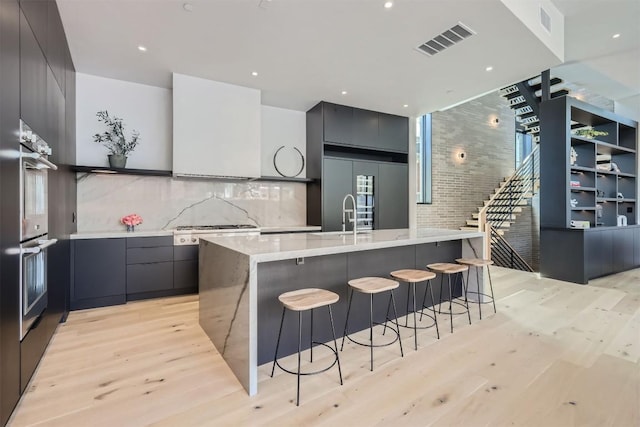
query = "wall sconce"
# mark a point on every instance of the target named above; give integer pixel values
(494, 120)
(461, 155)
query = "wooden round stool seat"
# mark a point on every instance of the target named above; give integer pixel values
(413, 276)
(373, 285)
(447, 268)
(306, 299)
(474, 262)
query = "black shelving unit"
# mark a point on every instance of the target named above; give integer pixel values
(600, 191)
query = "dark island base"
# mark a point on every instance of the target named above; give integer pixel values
(332, 272)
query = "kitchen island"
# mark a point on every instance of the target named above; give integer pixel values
(240, 279)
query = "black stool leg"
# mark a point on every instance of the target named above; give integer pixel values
(433, 308)
(311, 340)
(479, 296)
(395, 313)
(335, 343)
(450, 299)
(406, 318)
(464, 289)
(491, 286)
(275, 356)
(299, 350)
(441, 282)
(371, 327)
(346, 322)
(415, 327)
(424, 300)
(386, 319)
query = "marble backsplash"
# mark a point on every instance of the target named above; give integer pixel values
(165, 203)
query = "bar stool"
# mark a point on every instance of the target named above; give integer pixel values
(371, 286)
(448, 269)
(479, 263)
(303, 300)
(412, 277)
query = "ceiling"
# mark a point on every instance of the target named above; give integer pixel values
(310, 50)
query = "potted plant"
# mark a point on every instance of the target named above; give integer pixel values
(113, 138)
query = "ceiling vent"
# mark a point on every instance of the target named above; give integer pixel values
(453, 35)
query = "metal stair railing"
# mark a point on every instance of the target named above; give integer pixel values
(504, 255)
(503, 203)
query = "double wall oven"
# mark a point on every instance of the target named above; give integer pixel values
(34, 237)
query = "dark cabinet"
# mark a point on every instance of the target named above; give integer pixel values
(99, 272)
(185, 267)
(623, 255)
(338, 124)
(393, 198)
(393, 133)
(606, 252)
(33, 80)
(365, 128)
(337, 182)
(56, 46)
(149, 277)
(593, 243)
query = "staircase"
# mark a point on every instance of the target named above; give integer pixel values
(525, 98)
(500, 211)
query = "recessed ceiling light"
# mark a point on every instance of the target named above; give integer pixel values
(388, 4)
(254, 73)
(344, 92)
(188, 7)
(616, 35)
(142, 48)
(489, 68)
(405, 105)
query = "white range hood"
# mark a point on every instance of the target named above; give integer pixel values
(216, 129)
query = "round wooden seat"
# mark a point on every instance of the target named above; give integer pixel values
(474, 262)
(413, 276)
(306, 299)
(373, 285)
(447, 268)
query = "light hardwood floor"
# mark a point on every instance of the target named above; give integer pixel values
(556, 354)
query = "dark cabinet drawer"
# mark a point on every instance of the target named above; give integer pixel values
(149, 242)
(185, 274)
(149, 277)
(183, 253)
(146, 255)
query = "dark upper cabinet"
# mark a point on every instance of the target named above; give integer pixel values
(338, 124)
(55, 130)
(33, 80)
(365, 128)
(100, 270)
(337, 182)
(393, 133)
(37, 14)
(56, 48)
(393, 198)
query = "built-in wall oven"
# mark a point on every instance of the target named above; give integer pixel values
(34, 214)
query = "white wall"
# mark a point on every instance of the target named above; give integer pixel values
(144, 108)
(283, 127)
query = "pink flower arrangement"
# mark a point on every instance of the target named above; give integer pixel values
(131, 220)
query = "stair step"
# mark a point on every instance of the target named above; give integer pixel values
(507, 196)
(529, 120)
(523, 202)
(516, 100)
(474, 222)
(527, 115)
(553, 81)
(509, 90)
(502, 209)
(491, 216)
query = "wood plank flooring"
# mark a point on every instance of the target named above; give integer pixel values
(556, 354)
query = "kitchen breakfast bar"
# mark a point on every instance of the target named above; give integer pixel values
(240, 279)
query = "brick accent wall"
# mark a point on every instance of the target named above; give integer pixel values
(460, 186)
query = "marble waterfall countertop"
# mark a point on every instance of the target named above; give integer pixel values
(276, 247)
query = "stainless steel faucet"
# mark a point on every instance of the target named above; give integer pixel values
(349, 214)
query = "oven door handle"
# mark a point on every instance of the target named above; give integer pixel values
(42, 244)
(40, 159)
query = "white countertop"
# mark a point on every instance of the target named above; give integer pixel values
(155, 233)
(274, 247)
